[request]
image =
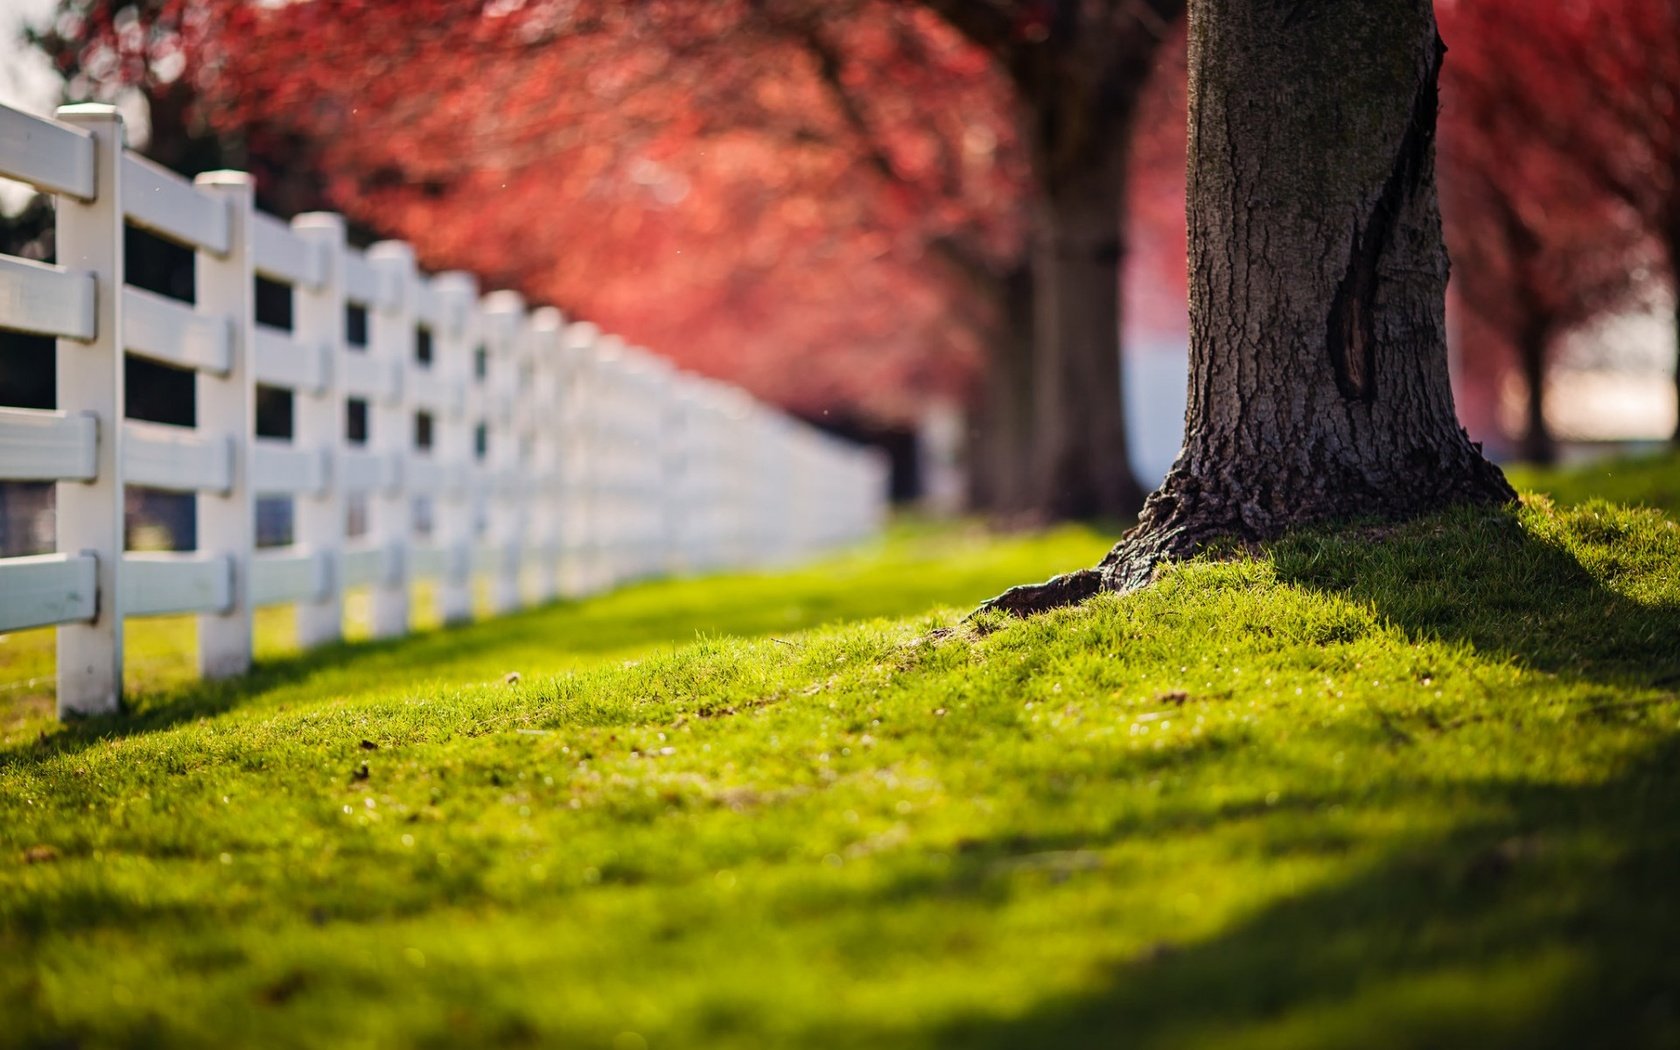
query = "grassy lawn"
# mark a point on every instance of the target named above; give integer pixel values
(1651, 480)
(1416, 792)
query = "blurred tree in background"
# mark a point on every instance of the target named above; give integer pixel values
(1540, 243)
(1619, 62)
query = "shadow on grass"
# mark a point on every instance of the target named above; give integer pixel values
(1481, 578)
(1552, 924)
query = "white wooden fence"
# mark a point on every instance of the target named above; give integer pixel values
(547, 456)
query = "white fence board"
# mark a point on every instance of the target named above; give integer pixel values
(164, 584)
(362, 566)
(37, 445)
(163, 202)
(278, 468)
(493, 558)
(366, 471)
(283, 361)
(174, 458)
(361, 284)
(439, 561)
(427, 477)
(173, 332)
(48, 155)
(46, 300)
(46, 589)
(282, 255)
(279, 577)
(371, 377)
(428, 389)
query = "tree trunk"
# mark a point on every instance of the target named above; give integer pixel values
(1080, 129)
(1537, 445)
(1078, 70)
(1003, 435)
(1081, 466)
(1318, 385)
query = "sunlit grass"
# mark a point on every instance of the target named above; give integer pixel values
(1650, 480)
(1388, 787)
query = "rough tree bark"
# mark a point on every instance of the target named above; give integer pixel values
(1318, 386)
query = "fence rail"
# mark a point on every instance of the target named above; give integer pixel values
(436, 433)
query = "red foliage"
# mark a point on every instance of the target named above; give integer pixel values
(1156, 278)
(748, 190)
(1541, 242)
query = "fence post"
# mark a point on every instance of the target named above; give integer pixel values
(90, 381)
(504, 315)
(675, 507)
(571, 412)
(547, 398)
(612, 453)
(226, 411)
(391, 342)
(657, 391)
(320, 422)
(525, 494)
(457, 294)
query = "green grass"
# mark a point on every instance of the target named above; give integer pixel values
(1388, 787)
(1651, 480)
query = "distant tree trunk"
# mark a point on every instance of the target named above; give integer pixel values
(1537, 445)
(1078, 69)
(1003, 434)
(1081, 466)
(1318, 386)
(1081, 133)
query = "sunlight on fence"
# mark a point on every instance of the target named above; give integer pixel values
(431, 433)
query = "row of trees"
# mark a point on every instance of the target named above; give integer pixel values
(869, 202)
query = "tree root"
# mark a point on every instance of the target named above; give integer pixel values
(1191, 513)
(1070, 588)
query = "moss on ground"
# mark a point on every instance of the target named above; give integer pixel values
(1406, 786)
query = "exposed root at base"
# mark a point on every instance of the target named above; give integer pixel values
(1132, 563)
(1070, 588)
(1200, 506)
